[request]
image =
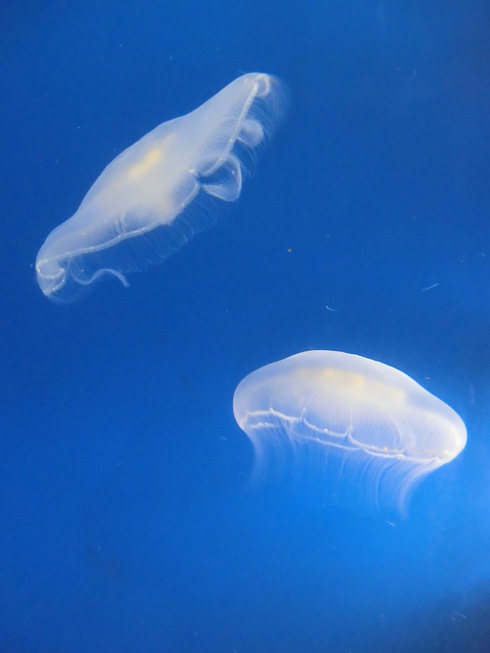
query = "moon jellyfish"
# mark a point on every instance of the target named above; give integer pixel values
(359, 427)
(154, 196)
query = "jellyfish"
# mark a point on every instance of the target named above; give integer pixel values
(362, 429)
(155, 195)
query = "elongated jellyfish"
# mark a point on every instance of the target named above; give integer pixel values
(156, 195)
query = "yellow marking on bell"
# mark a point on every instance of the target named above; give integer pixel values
(353, 383)
(145, 163)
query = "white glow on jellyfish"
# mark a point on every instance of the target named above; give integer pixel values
(359, 427)
(162, 190)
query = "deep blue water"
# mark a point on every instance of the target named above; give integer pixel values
(127, 521)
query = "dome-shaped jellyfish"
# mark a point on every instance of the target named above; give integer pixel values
(366, 428)
(155, 195)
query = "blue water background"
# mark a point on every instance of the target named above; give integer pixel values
(127, 524)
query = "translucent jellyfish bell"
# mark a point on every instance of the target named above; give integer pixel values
(366, 429)
(155, 195)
